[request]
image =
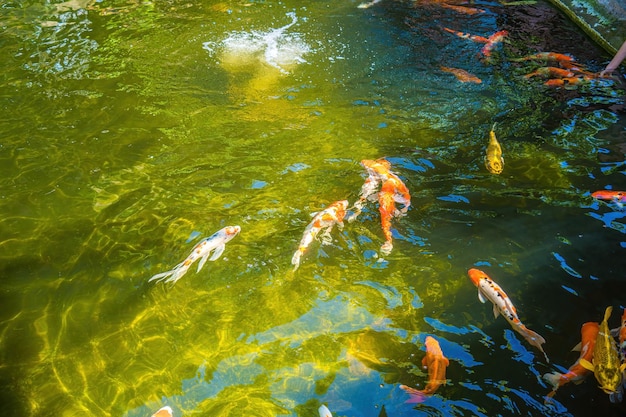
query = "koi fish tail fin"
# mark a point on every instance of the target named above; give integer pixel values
(535, 339)
(415, 396)
(553, 378)
(162, 276)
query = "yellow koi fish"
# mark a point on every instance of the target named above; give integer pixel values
(436, 364)
(215, 243)
(606, 363)
(325, 219)
(493, 159)
(489, 290)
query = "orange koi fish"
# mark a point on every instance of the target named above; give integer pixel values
(576, 373)
(489, 290)
(462, 75)
(378, 170)
(392, 191)
(215, 243)
(562, 59)
(551, 72)
(436, 364)
(163, 412)
(475, 38)
(610, 195)
(622, 338)
(492, 41)
(461, 9)
(325, 219)
(324, 411)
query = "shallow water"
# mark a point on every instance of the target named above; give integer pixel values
(133, 129)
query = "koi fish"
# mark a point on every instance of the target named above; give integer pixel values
(551, 72)
(576, 373)
(610, 195)
(163, 412)
(325, 219)
(606, 364)
(436, 364)
(215, 243)
(462, 75)
(489, 290)
(324, 411)
(566, 82)
(492, 41)
(622, 338)
(378, 170)
(461, 9)
(494, 162)
(564, 60)
(392, 191)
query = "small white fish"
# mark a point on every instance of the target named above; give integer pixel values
(325, 219)
(324, 411)
(215, 243)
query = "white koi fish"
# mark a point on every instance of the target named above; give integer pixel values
(215, 243)
(325, 219)
(324, 411)
(489, 290)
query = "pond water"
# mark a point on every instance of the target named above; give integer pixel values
(131, 129)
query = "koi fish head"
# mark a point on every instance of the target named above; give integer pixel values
(494, 164)
(324, 411)
(164, 412)
(378, 166)
(610, 195)
(432, 345)
(476, 275)
(232, 231)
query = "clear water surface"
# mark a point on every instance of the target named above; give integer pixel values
(131, 129)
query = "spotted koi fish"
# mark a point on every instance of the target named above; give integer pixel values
(494, 162)
(490, 42)
(576, 373)
(489, 290)
(436, 364)
(606, 363)
(215, 244)
(325, 219)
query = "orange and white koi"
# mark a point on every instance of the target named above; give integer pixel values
(164, 412)
(489, 290)
(392, 191)
(215, 243)
(462, 75)
(325, 219)
(576, 373)
(490, 42)
(610, 195)
(564, 60)
(324, 411)
(436, 364)
(378, 171)
(494, 161)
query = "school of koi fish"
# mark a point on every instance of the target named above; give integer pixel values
(600, 354)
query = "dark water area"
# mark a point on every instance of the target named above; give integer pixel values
(132, 129)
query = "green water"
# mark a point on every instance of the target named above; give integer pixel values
(131, 129)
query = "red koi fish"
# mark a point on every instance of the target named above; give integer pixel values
(489, 290)
(163, 412)
(576, 373)
(462, 75)
(325, 219)
(610, 195)
(215, 244)
(436, 364)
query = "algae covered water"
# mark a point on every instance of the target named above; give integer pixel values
(132, 129)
